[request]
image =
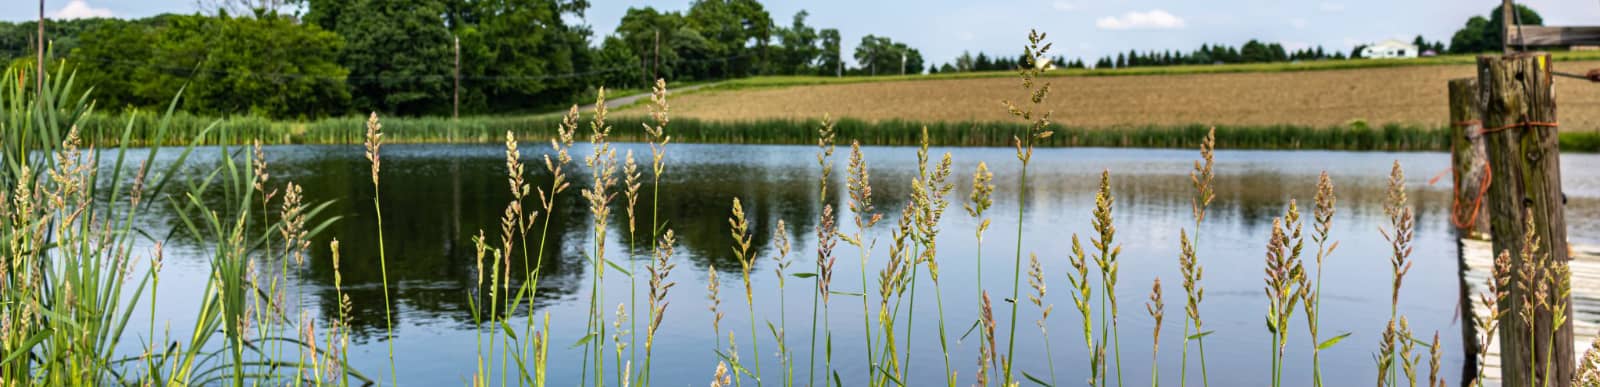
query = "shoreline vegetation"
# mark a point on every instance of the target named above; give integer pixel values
(107, 130)
(73, 279)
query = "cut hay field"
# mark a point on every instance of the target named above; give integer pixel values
(1407, 95)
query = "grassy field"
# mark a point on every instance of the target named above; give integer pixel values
(1347, 105)
(782, 81)
(1398, 95)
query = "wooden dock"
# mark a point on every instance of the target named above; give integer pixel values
(1479, 262)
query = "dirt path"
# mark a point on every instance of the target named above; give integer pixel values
(616, 103)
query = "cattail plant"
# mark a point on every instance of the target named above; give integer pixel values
(1157, 310)
(1312, 293)
(1399, 235)
(741, 251)
(1201, 177)
(1038, 125)
(373, 144)
(1285, 282)
(1036, 281)
(1105, 259)
(859, 182)
(824, 236)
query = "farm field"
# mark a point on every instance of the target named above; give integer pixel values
(1407, 95)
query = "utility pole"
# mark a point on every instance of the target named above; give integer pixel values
(40, 39)
(1505, 27)
(838, 61)
(655, 64)
(456, 114)
(902, 63)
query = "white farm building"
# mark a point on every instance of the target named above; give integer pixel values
(1390, 49)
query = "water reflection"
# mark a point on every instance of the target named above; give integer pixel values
(436, 197)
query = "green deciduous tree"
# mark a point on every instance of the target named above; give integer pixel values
(266, 65)
(880, 55)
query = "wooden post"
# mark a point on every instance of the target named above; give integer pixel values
(40, 40)
(1470, 209)
(455, 113)
(1466, 154)
(1505, 26)
(1519, 117)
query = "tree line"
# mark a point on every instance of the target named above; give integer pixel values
(399, 56)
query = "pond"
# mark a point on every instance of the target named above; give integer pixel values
(436, 197)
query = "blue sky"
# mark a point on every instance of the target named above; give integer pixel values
(942, 29)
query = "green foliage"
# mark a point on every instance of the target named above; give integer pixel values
(267, 65)
(1482, 34)
(399, 51)
(514, 67)
(880, 55)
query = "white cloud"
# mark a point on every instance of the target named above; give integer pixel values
(1154, 19)
(1331, 7)
(1063, 5)
(1298, 23)
(79, 9)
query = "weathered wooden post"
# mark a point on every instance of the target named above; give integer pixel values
(1469, 211)
(1466, 152)
(1519, 125)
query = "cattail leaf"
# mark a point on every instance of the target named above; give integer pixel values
(890, 376)
(27, 346)
(804, 275)
(583, 340)
(844, 293)
(509, 332)
(836, 382)
(1035, 379)
(618, 268)
(1200, 335)
(1331, 341)
(974, 327)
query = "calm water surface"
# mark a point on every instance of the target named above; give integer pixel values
(436, 197)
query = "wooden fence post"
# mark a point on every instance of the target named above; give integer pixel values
(1469, 210)
(1519, 120)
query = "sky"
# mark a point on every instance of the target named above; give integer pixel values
(1089, 29)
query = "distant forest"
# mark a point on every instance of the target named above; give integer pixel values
(398, 56)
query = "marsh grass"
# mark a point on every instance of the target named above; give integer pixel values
(1353, 135)
(70, 282)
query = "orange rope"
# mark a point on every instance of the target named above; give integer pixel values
(1471, 218)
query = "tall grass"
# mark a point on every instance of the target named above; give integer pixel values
(69, 283)
(105, 129)
(1036, 129)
